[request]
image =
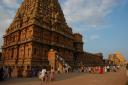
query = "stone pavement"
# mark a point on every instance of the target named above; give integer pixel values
(112, 78)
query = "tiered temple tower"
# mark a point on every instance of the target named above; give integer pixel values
(38, 26)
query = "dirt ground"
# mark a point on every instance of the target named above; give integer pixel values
(112, 78)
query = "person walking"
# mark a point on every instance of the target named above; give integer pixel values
(1, 73)
(127, 70)
(108, 68)
(58, 70)
(101, 70)
(42, 75)
(105, 69)
(6, 73)
(52, 74)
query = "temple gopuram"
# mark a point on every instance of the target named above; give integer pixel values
(38, 26)
(117, 59)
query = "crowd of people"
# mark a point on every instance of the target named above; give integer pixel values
(46, 75)
(7, 73)
(99, 69)
(4, 73)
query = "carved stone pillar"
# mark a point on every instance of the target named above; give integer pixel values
(25, 73)
(14, 72)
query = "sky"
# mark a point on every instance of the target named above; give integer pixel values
(103, 23)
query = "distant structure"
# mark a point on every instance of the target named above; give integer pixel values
(117, 59)
(38, 26)
(89, 59)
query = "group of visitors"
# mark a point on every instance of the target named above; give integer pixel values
(96, 69)
(49, 75)
(46, 76)
(99, 69)
(4, 73)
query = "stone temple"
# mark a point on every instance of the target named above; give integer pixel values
(38, 26)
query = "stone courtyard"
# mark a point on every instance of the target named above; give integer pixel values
(112, 78)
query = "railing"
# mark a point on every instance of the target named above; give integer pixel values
(62, 61)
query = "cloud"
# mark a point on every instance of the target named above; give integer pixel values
(91, 13)
(81, 15)
(10, 3)
(7, 12)
(94, 37)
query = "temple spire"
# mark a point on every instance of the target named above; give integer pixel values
(40, 12)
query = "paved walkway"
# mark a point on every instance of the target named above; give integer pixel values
(112, 78)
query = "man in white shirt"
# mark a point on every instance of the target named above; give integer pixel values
(108, 69)
(42, 74)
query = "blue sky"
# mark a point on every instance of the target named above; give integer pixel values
(103, 23)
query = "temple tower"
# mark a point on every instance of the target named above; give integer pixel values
(38, 26)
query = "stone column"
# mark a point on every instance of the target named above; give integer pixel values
(25, 73)
(14, 72)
